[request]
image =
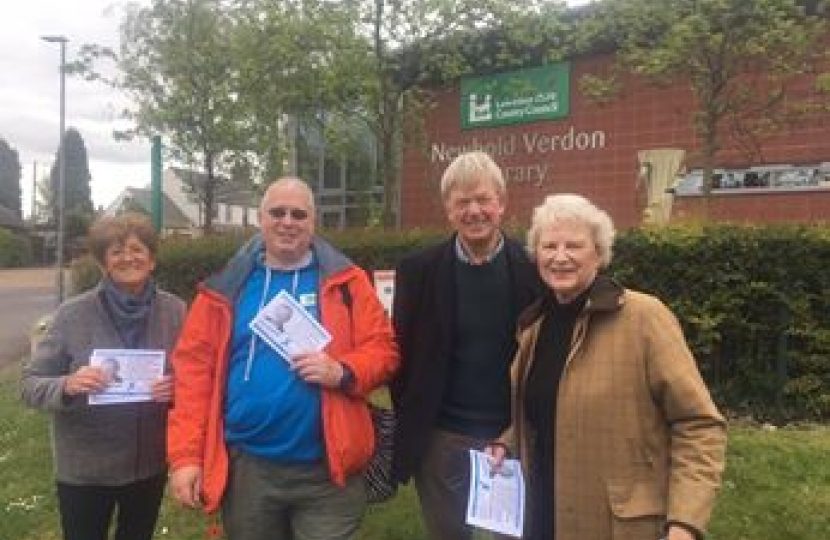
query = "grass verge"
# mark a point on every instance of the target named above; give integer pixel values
(777, 486)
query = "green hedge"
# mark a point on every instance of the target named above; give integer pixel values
(15, 249)
(754, 301)
(755, 305)
(184, 262)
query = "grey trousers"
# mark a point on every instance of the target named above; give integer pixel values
(265, 500)
(443, 481)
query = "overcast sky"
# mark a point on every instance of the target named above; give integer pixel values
(30, 93)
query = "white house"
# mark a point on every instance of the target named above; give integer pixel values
(235, 205)
(140, 199)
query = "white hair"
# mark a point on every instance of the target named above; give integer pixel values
(571, 207)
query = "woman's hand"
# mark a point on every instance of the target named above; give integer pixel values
(87, 380)
(162, 389)
(186, 484)
(676, 532)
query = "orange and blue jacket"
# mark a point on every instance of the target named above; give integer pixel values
(361, 338)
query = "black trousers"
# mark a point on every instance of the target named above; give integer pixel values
(86, 511)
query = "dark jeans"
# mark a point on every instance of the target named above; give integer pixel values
(86, 511)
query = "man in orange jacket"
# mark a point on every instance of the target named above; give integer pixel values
(279, 443)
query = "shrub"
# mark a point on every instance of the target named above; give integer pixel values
(15, 249)
(84, 273)
(184, 262)
(753, 302)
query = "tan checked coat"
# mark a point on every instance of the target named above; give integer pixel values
(639, 442)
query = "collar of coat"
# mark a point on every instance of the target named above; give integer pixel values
(605, 295)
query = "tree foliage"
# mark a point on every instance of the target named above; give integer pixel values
(229, 82)
(741, 59)
(10, 193)
(418, 44)
(176, 62)
(297, 61)
(44, 204)
(77, 196)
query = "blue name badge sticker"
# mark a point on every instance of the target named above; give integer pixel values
(308, 299)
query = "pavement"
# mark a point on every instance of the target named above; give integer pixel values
(26, 295)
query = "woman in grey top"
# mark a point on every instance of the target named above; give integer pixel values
(109, 458)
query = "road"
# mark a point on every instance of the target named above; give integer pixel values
(25, 296)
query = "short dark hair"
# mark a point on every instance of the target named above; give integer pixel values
(109, 230)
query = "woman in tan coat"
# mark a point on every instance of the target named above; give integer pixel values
(615, 429)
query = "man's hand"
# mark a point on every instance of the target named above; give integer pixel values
(318, 368)
(496, 452)
(186, 483)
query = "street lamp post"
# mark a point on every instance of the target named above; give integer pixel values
(61, 164)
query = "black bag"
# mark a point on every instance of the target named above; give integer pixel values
(380, 486)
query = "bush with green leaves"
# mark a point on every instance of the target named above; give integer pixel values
(754, 301)
(15, 249)
(184, 262)
(755, 305)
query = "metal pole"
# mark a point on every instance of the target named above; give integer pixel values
(34, 192)
(155, 184)
(61, 166)
(62, 176)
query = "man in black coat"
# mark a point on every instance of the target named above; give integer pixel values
(455, 310)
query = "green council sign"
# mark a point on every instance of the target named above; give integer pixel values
(516, 97)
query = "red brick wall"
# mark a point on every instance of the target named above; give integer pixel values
(643, 117)
(763, 207)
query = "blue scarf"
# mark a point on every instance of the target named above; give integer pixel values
(128, 313)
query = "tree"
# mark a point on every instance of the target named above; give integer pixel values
(415, 45)
(298, 62)
(740, 59)
(334, 65)
(44, 205)
(10, 175)
(77, 196)
(176, 63)
(225, 81)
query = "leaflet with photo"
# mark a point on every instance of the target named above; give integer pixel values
(496, 500)
(288, 328)
(131, 373)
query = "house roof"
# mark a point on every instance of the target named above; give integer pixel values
(228, 191)
(171, 215)
(9, 219)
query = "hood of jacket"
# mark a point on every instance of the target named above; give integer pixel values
(230, 280)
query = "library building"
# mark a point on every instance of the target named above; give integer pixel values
(636, 154)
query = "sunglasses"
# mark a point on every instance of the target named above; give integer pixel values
(279, 212)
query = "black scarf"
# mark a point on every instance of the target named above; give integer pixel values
(128, 313)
